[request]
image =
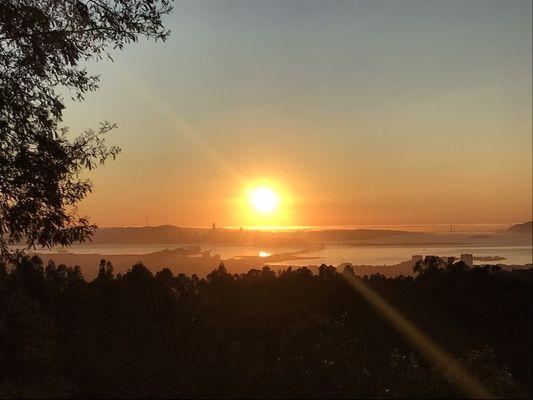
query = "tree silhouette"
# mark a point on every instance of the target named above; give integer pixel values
(258, 334)
(43, 45)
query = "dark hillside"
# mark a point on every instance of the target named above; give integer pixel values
(259, 334)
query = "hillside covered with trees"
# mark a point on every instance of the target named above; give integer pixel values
(260, 334)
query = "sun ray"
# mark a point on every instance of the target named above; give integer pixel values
(418, 339)
(181, 127)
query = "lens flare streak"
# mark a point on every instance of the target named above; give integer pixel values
(450, 367)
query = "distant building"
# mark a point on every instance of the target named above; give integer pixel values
(468, 259)
(214, 226)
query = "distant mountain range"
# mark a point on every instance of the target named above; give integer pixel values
(526, 227)
(169, 234)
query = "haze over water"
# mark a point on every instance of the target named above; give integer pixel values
(491, 245)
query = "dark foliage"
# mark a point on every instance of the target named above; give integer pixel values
(260, 334)
(43, 45)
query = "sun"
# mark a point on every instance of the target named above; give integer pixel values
(265, 205)
(264, 200)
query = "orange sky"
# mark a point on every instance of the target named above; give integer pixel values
(358, 113)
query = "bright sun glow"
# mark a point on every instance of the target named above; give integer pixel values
(265, 205)
(264, 200)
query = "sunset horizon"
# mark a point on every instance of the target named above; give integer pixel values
(356, 125)
(267, 199)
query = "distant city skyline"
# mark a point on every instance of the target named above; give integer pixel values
(359, 112)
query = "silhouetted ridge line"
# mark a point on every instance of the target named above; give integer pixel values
(168, 234)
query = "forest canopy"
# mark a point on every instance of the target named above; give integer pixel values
(259, 334)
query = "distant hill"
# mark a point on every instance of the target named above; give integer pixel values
(526, 227)
(169, 234)
(148, 234)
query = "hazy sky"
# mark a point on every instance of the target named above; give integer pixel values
(361, 112)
